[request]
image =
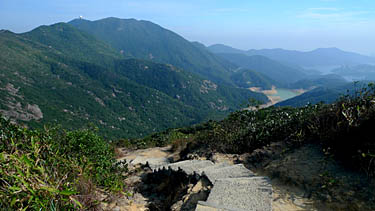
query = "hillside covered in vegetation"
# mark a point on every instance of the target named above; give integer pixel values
(60, 75)
(334, 126)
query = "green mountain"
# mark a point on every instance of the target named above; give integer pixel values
(330, 80)
(276, 71)
(184, 86)
(69, 41)
(146, 40)
(58, 74)
(246, 78)
(325, 94)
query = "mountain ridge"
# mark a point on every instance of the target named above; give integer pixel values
(317, 57)
(147, 40)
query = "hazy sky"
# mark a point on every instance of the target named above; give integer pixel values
(244, 24)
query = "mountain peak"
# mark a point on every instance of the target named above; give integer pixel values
(79, 20)
(221, 48)
(117, 19)
(331, 49)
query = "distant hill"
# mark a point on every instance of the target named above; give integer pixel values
(280, 73)
(146, 40)
(318, 57)
(220, 48)
(59, 74)
(247, 78)
(323, 94)
(357, 72)
(331, 80)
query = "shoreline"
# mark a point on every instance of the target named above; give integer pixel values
(272, 95)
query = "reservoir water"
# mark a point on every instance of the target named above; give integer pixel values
(285, 94)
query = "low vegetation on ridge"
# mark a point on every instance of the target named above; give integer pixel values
(343, 129)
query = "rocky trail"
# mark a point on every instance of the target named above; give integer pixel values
(267, 179)
(228, 186)
(234, 186)
(217, 184)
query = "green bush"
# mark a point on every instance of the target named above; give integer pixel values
(345, 129)
(54, 169)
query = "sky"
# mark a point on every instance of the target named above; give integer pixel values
(245, 24)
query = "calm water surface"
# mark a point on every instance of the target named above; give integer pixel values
(285, 94)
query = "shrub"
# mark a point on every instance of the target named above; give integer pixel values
(53, 169)
(345, 129)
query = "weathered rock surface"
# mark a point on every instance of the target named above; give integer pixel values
(234, 186)
(247, 193)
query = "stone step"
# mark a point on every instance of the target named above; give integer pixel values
(235, 188)
(250, 193)
(175, 166)
(215, 166)
(152, 162)
(196, 166)
(156, 162)
(233, 171)
(188, 166)
(205, 206)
